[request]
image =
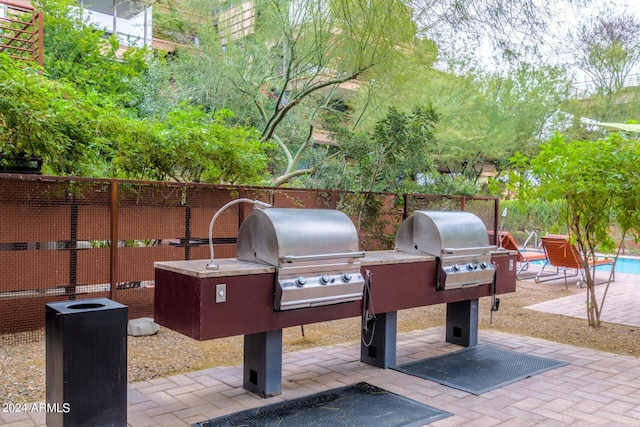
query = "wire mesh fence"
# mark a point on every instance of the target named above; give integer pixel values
(78, 238)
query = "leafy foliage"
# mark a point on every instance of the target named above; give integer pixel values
(501, 114)
(389, 158)
(539, 215)
(47, 119)
(133, 115)
(284, 75)
(81, 134)
(484, 117)
(191, 145)
(78, 53)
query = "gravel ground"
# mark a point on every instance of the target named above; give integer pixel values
(167, 353)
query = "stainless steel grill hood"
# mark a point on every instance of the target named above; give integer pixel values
(315, 252)
(459, 240)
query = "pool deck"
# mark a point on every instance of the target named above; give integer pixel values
(596, 388)
(621, 305)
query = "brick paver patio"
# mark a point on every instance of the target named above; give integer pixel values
(595, 389)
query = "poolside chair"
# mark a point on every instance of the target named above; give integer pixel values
(565, 256)
(523, 257)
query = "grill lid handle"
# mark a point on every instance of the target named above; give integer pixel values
(468, 250)
(298, 258)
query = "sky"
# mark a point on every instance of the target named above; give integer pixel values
(567, 17)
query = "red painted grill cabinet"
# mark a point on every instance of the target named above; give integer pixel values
(244, 297)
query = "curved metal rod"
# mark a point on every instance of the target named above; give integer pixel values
(211, 265)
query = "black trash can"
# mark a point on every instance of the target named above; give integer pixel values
(86, 365)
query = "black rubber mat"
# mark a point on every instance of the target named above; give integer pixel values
(480, 368)
(357, 405)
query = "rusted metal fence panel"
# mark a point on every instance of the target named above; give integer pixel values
(33, 271)
(78, 238)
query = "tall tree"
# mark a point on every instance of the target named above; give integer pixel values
(394, 156)
(519, 110)
(484, 117)
(607, 48)
(286, 73)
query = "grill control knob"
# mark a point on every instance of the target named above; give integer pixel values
(455, 267)
(324, 280)
(346, 277)
(483, 265)
(301, 281)
(471, 266)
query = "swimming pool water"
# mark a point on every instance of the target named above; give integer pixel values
(623, 265)
(628, 265)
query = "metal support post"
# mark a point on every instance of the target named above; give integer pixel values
(462, 322)
(378, 344)
(263, 363)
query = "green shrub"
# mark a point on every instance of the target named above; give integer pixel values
(524, 217)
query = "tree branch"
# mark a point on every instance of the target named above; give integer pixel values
(290, 175)
(282, 112)
(276, 182)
